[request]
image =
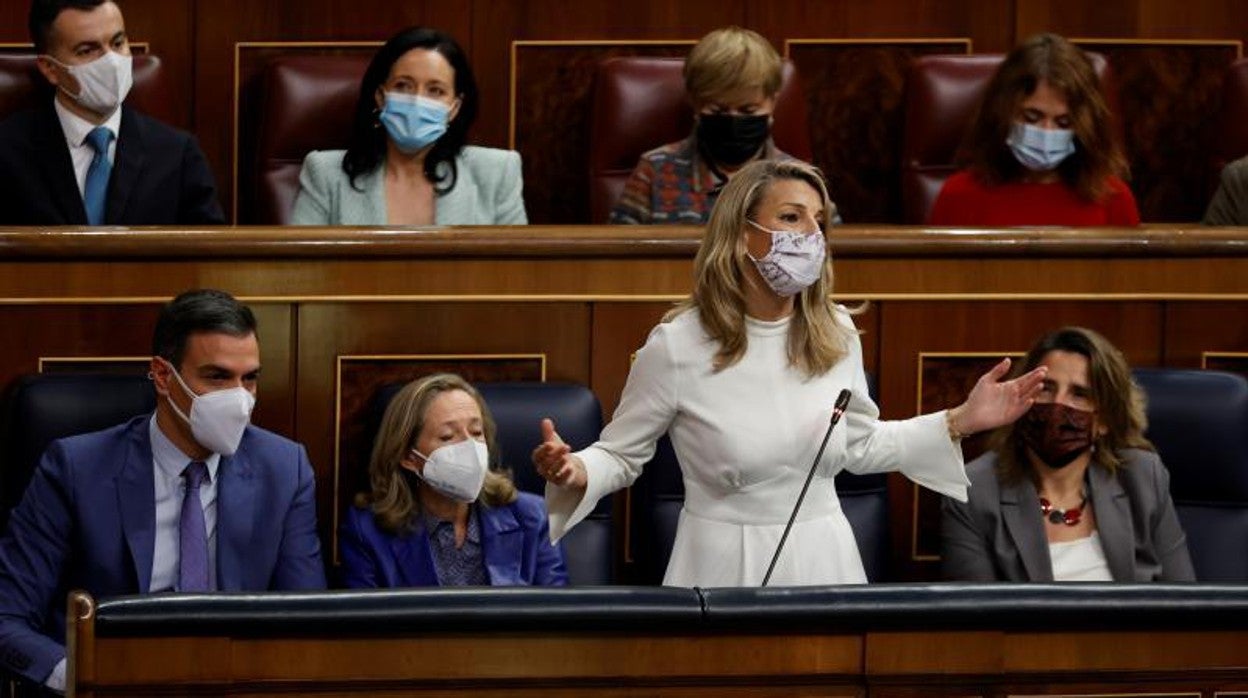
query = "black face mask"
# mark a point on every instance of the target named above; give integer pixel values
(731, 139)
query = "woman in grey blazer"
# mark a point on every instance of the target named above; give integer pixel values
(408, 163)
(1072, 491)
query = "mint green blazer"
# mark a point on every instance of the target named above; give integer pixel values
(486, 192)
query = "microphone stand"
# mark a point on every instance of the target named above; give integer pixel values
(842, 401)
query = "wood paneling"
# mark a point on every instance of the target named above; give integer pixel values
(1168, 99)
(856, 99)
(586, 299)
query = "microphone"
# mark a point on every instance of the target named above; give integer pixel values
(842, 401)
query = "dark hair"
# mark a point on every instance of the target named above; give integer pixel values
(44, 12)
(203, 310)
(1067, 69)
(368, 138)
(1118, 401)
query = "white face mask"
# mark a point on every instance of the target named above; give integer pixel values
(103, 83)
(457, 470)
(218, 419)
(794, 262)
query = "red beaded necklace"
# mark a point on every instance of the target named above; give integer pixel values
(1070, 517)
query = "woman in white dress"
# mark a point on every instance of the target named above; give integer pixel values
(743, 375)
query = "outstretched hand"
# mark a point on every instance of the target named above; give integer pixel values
(993, 403)
(554, 460)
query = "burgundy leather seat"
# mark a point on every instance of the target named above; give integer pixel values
(308, 104)
(942, 94)
(639, 104)
(21, 86)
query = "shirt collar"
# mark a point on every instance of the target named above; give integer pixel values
(76, 128)
(704, 177)
(474, 529)
(170, 459)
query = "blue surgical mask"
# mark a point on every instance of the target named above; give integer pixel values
(1040, 149)
(414, 122)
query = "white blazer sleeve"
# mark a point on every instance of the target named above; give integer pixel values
(920, 447)
(646, 409)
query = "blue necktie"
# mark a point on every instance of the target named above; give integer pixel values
(95, 192)
(192, 533)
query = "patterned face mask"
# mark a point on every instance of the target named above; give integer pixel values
(795, 261)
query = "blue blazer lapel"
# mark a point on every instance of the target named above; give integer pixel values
(413, 560)
(1020, 507)
(136, 502)
(502, 545)
(236, 515)
(1113, 522)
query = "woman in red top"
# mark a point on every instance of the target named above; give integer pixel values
(1041, 150)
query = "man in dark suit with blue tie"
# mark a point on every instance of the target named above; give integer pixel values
(190, 498)
(83, 158)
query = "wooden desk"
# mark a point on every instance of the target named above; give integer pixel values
(903, 640)
(344, 310)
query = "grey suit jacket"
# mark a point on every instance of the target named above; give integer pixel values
(998, 533)
(487, 191)
(1230, 203)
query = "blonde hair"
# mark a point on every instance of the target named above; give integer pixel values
(817, 341)
(731, 59)
(394, 504)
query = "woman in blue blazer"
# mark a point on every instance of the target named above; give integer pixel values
(437, 513)
(408, 163)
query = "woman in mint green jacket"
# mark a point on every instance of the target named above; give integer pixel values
(408, 163)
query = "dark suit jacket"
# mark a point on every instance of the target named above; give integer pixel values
(998, 534)
(515, 541)
(159, 175)
(88, 521)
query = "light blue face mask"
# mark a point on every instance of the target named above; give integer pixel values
(1040, 149)
(414, 122)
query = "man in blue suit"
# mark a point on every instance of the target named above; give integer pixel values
(191, 498)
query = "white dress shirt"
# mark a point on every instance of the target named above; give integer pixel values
(81, 153)
(170, 491)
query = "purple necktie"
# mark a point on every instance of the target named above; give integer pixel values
(192, 534)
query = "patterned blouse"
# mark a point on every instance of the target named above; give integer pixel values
(674, 184)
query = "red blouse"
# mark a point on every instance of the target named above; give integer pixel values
(965, 201)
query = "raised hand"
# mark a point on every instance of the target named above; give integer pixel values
(554, 460)
(993, 403)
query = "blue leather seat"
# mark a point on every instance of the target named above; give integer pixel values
(518, 409)
(1198, 420)
(658, 495)
(44, 407)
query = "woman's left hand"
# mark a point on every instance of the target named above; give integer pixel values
(993, 403)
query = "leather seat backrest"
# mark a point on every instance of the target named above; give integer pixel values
(21, 86)
(308, 104)
(44, 407)
(942, 95)
(640, 104)
(1198, 420)
(518, 409)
